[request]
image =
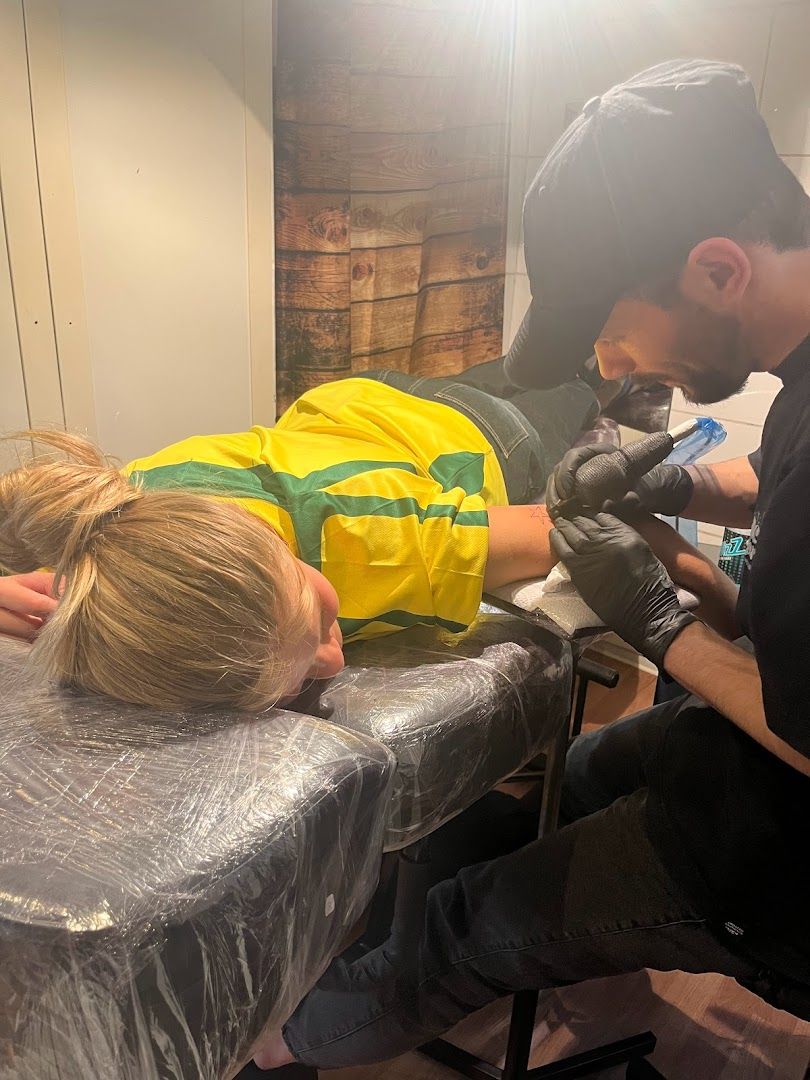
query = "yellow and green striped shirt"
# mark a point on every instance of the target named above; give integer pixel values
(384, 493)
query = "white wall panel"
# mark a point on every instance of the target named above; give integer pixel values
(13, 406)
(157, 131)
(786, 94)
(750, 406)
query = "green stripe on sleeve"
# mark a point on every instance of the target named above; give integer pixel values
(462, 469)
(303, 497)
(206, 479)
(258, 481)
(310, 515)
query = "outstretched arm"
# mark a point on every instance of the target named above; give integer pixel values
(519, 548)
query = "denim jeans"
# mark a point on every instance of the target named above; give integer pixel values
(589, 901)
(529, 430)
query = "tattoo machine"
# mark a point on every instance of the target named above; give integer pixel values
(608, 477)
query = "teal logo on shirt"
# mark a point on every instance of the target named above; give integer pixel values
(735, 545)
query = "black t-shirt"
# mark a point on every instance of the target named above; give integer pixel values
(731, 820)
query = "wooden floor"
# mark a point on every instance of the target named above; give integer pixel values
(708, 1027)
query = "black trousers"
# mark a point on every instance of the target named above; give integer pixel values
(592, 900)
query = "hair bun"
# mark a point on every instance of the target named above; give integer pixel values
(55, 506)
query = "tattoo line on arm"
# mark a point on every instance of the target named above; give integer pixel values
(707, 479)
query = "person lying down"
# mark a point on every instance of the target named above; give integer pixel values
(228, 571)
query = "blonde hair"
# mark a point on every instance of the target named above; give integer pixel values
(168, 598)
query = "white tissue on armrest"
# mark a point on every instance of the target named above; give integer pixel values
(557, 597)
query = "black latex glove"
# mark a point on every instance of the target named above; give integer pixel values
(666, 489)
(562, 482)
(619, 577)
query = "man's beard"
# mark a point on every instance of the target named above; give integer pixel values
(716, 363)
(709, 387)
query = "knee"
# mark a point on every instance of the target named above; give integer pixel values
(584, 791)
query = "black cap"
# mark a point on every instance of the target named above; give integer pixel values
(647, 170)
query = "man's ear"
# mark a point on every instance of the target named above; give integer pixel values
(716, 274)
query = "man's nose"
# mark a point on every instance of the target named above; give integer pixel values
(614, 363)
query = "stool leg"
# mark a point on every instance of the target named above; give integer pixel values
(524, 1003)
(521, 1029)
(595, 1062)
(641, 1069)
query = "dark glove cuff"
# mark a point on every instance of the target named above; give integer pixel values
(683, 491)
(655, 648)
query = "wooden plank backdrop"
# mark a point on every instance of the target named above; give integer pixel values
(391, 177)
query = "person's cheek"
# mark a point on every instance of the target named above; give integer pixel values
(336, 661)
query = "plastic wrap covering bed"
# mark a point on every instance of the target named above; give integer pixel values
(459, 712)
(169, 885)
